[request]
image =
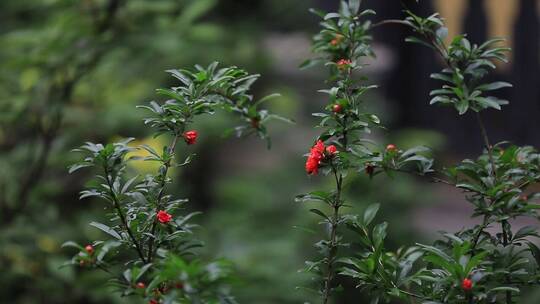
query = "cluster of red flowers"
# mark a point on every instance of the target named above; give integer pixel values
(190, 137)
(343, 63)
(317, 154)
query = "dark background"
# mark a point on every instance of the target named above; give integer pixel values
(72, 71)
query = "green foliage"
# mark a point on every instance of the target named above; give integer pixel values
(204, 89)
(466, 63)
(146, 221)
(72, 70)
(341, 45)
(474, 265)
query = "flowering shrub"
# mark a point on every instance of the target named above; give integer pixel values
(473, 265)
(161, 263)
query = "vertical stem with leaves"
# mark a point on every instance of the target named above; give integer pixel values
(342, 148)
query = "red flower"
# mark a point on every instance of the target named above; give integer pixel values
(89, 249)
(153, 302)
(164, 217)
(141, 285)
(331, 149)
(315, 156)
(466, 284)
(343, 63)
(317, 150)
(337, 108)
(190, 137)
(312, 166)
(391, 148)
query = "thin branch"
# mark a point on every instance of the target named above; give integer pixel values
(333, 236)
(118, 208)
(505, 234)
(414, 295)
(489, 147)
(167, 165)
(484, 225)
(390, 21)
(433, 178)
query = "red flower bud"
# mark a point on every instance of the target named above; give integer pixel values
(337, 108)
(466, 284)
(336, 40)
(164, 217)
(331, 149)
(391, 148)
(89, 249)
(153, 301)
(343, 63)
(141, 285)
(179, 285)
(190, 137)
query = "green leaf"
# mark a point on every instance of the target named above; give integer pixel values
(106, 248)
(370, 213)
(73, 245)
(331, 15)
(106, 229)
(535, 252)
(76, 167)
(267, 97)
(462, 106)
(379, 233)
(504, 288)
(494, 86)
(412, 39)
(442, 77)
(354, 6)
(320, 213)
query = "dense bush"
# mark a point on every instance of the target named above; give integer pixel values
(473, 265)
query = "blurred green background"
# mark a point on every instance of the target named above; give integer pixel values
(74, 70)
